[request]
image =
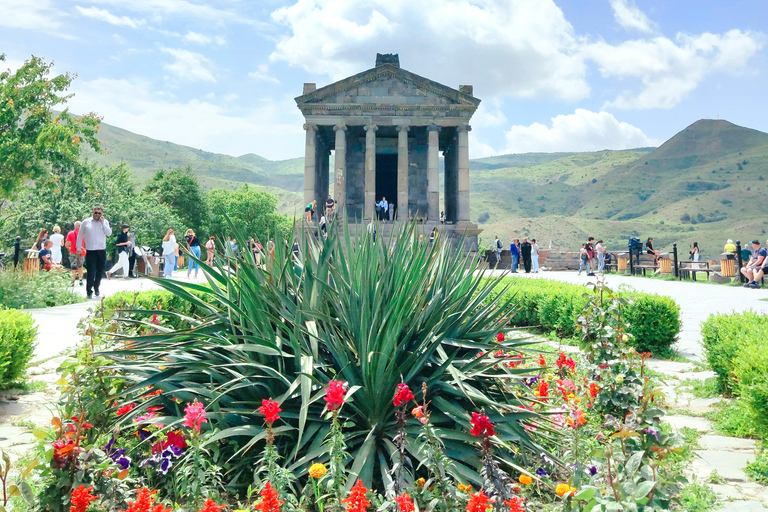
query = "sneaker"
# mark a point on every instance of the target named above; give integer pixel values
(748, 285)
(89, 295)
(754, 286)
(97, 293)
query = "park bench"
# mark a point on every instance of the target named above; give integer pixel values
(691, 268)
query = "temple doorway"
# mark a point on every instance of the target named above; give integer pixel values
(386, 180)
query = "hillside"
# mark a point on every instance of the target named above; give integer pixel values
(705, 184)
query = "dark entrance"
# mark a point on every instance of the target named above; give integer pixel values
(386, 180)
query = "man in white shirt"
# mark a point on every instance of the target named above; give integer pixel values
(93, 238)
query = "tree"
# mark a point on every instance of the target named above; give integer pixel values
(251, 210)
(180, 190)
(34, 142)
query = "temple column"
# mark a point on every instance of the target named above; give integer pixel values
(310, 169)
(340, 169)
(449, 194)
(402, 171)
(462, 212)
(433, 173)
(370, 171)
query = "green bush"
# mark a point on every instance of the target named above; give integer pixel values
(19, 290)
(551, 305)
(17, 343)
(155, 300)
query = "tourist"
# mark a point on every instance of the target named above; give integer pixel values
(76, 254)
(525, 252)
(591, 257)
(309, 210)
(92, 237)
(58, 242)
(329, 204)
(210, 247)
(497, 247)
(46, 258)
(600, 250)
(650, 250)
(515, 252)
(40, 241)
(271, 251)
(122, 245)
(432, 236)
(133, 251)
(442, 217)
(583, 259)
(754, 265)
(695, 255)
(760, 272)
(729, 250)
(256, 249)
(193, 245)
(382, 207)
(535, 255)
(170, 248)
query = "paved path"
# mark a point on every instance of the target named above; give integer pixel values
(697, 301)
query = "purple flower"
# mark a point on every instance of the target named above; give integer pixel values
(151, 461)
(530, 382)
(593, 470)
(165, 465)
(541, 472)
(122, 461)
(144, 433)
(175, 451)
(651, 432)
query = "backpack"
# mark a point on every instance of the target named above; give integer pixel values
(498, 243)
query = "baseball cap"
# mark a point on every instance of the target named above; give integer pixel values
(757, 242)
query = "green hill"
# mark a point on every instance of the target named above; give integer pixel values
(705, 184)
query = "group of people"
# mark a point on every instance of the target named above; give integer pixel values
(524, 252)
(592, 257)
(757, 265)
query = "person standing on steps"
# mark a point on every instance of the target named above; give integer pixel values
(513, 249)
(525, 252)
(122, 245)
(92, 237)
(535, 255)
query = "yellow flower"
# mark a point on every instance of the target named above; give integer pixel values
(525, 480)
(465, 488)
(317, 470)
(420, 483)
(564, 490)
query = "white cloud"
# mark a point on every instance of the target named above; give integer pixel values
(262, 75)
(137, 107)
(189, 65)
(630, 17)
(194, 37)
(581, 131)
(157, 9)
(106, 16)
(38, 15)
(669, 70)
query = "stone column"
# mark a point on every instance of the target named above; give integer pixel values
(402, 171)
(340, 169)
(370, 171)
(462, 212)
(433, 173)
(449, 194)
(310, 169)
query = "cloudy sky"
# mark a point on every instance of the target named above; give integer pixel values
(562, 75)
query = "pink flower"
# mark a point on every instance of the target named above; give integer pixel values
(481, 425)
(334, 395)
(403, 395)
(194, 415)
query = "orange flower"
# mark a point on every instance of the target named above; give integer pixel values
(81, 498)
(405, 503)
(516, 504)
(525, 480)
(356, 501)
(565, 490)
(145, 502)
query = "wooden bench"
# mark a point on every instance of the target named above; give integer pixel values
(687, 268)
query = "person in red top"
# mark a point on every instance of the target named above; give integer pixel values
(76, 255)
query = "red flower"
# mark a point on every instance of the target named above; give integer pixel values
(593, 390)
(211, 506)
(356, 501)
(172, 439)
(499, 354)
(81, 498)
(126, 409)
(405, 503)
(334, 395)
(481, 425)
(270, 502)
(145, 502)
(500, 337)
(571, 364)
(543, 389)
(403, 395)
(516, 504)
(542, 361)
(479, 502)
(270, 410)
(194, 415)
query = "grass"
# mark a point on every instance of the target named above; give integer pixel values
(698, 497)
(732, 418)
(716, 478)
(700, 388)
(26, 387)
(758, 470)
(23, 424)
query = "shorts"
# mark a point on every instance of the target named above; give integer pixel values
(76, 261)
(307, 209)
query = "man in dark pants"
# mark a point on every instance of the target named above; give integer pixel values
(525, 252)
(93, 238)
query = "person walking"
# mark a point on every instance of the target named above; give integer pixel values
(169, 253)
(92, 237)
(535, 256)
(58, 242)
(76, 254)
(193, 245)
(515, 251)
(525, 252)
(122, 245)
(210, 248)
(600, 249)
(497, 247)
(583, 259)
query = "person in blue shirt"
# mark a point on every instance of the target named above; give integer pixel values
(753, 270)
(513, 248)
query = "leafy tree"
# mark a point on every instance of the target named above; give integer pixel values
(34, 142)
(251, 210)
(180, 190)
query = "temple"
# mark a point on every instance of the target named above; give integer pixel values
(387, 128)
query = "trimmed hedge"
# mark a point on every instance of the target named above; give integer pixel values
(17, 344)
(554, 306)
(736, 347)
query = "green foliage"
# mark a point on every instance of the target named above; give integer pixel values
(252, 210)
(33, 142)
(733, 419)
(19, 290)
(698, 497)
(17, 344)
(654, 321)
(353, 312)
(180, 190)
(152, 301)
(758, 470)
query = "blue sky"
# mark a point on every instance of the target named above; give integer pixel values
(563, 75)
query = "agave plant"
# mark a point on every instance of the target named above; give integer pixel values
(372, 313)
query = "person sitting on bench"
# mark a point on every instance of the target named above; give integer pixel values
(754, 270)
(649, 250)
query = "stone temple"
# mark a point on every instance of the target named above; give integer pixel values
(387, 128)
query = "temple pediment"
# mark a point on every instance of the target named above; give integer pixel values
(387, 86)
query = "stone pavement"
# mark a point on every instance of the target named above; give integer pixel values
(697, 300)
